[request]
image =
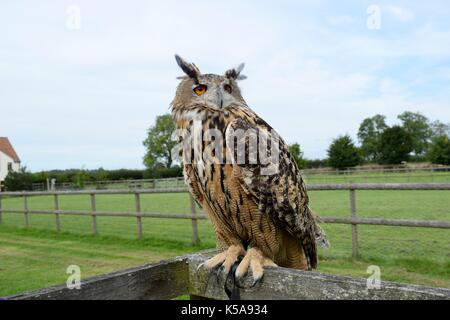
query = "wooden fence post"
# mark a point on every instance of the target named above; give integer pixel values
(93, 213)
(195, 238)
(56, 206)
(137, 198)
(25, 208)
(1, 212)
(354, 226)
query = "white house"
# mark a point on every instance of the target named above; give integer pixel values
(9, 160)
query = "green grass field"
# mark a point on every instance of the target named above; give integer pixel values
(38, 256)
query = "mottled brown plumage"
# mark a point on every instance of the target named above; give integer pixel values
(258, 208)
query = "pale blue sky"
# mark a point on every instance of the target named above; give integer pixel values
(85, 97)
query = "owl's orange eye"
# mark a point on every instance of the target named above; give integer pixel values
(200, 89)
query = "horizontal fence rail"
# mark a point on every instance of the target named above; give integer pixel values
(389, 222)
(380, 186)
(112, 184)
(352, 220)
(376, 169)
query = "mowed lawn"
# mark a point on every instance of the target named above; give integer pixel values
(38, 256)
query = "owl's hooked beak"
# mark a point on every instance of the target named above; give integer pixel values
(217, 97)
(220, 98)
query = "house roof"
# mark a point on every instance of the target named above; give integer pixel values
(7, 148)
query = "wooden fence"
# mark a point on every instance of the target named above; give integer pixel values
(94, 213)
(352, 219)
(182, 276)
(176, 182)
(377, 169)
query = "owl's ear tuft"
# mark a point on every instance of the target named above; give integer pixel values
(235, 73)
(189, 68)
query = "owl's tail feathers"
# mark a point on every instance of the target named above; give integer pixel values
(321, 236)
(309, 247)
(313, 237)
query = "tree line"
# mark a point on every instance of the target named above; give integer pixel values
(24, 179)
(414, 139)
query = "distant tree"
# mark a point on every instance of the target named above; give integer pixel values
(439, 129)
(316, 163)
(343, 153)
(297, 154)
(74, 175)
(439, 152)
(100, 174)
(369, 134)
(80, 178)
(125, 174)
(396, 145)
(40, 177)
(418, 126)
(163, 172)
(159, 142)
(19, 181)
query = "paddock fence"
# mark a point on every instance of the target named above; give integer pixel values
(176, 182)
(378, 169)
(194, 215)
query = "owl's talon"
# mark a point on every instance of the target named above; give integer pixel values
(255, 282)
(225, 260)
(217, 271)
(199, 266)
(255, 261)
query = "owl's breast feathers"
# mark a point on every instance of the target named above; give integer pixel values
(272, 185)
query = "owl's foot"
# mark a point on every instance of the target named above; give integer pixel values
(225, 259)
(255, 261)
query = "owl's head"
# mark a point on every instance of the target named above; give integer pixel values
(209, 90)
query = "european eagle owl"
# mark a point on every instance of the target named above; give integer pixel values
(243, 176)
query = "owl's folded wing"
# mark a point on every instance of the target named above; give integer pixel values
(266, 170)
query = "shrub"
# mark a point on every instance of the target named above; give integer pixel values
(439, 152)
(316, 163)
(163, 172)
(297, 154)
(396, 145)
(19, 181)
(343, 153)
